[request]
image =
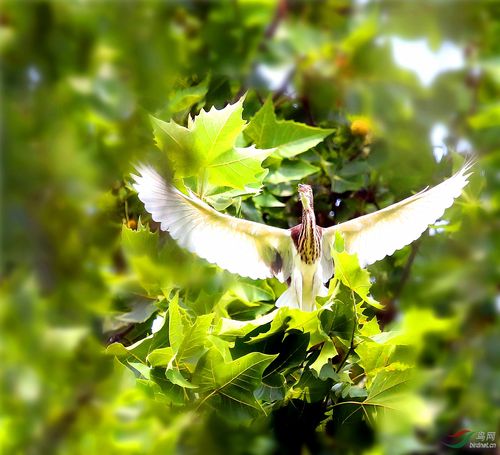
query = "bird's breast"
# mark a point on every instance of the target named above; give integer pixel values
(307, 241)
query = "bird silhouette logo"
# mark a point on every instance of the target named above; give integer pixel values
(459, 439)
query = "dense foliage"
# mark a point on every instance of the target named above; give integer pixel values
(115, 340)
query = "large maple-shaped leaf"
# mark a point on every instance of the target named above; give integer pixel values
(387, 392)
(229, 386)
(291, 170)
(207, 149)
(288, 137)
(178, 144)
(238, 167)
(215, 131)
(376, 357)
(328, 351)
(187, 339)
(349, 272)
(287, 319)
(187, 344)
(141, 249)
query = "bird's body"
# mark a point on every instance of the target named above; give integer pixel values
(306, 278)
(306, 283)
(299, 256)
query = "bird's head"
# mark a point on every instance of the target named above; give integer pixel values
(306, 196)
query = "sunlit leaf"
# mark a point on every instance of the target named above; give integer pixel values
(229, 386)
(387, 392)
(291, 170)
(310, 388)
(288, 137)
(208, 149)
(327, 352)
(348, 271)
(160, 357)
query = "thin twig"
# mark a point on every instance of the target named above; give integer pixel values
(355, 325)
(406, 271)
(280, 14)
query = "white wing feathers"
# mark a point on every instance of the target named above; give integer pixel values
(239, 246)
(379, 234)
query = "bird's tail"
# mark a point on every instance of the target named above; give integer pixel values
(288, 298)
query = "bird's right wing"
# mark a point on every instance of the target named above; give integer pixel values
(237, 245)
(379, 234)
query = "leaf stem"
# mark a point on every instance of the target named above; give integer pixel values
(202, 183)
(355, 325)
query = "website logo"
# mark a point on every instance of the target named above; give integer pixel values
(471, 439)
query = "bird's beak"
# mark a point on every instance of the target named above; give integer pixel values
(303, 197)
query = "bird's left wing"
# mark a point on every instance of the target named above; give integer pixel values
(379, 234)
(239, 246)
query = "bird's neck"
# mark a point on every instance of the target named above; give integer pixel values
(308, 217)
(309, 244)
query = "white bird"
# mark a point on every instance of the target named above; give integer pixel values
(300, 256)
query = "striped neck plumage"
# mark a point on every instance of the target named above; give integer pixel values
(308, 217)
(309, 244)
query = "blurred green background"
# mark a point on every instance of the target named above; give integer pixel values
(78, 80)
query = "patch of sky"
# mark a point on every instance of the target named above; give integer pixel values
(276, 77)
(438, 135)
(34, 76)
(417, 56)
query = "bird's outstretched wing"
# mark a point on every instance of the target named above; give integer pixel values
(380, 234)
(239, 246)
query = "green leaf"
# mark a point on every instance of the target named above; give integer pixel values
(375, 357)
(237, 307)
(327, 352)
(348, 271)
(288, 137)
(138, 351)
(184, 98)
(351, 177)
(141, 312)
(488, 116)
(221, 198)
(287, 319)
(360, 36)
(291, 170)
(193, 346)
(292, 353)
(215, 131)
(176, 377)
(187, 339)
(343, 317)
(141, 241)
(417, 323)
(204, 303)
(177, 142)
(387, 392)
(267, 200)
(229, 386)
(232, 328)
(221, 346)
(176, 323)
(141, 251)
(252, 290)
(160, 357)
(273, 388)
(310, 388)
(238, 167)
(370, 328)
(207, 149)
(168, 392)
